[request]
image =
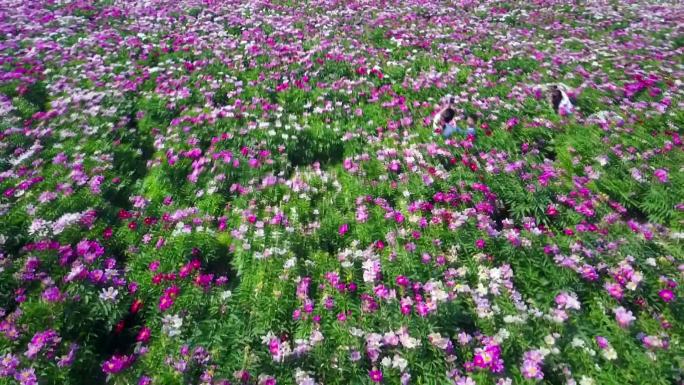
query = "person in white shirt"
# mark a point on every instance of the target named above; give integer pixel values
(560, 101)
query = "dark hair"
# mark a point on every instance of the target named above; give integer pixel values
(448, 115)
(556, 98)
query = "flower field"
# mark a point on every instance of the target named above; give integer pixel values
(252, 192)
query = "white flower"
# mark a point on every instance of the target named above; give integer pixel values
(109, 294)
(408, 342)
(438, 341)
(303, 378)
(586, 381)
(399, 362)
(609, 354)
(544, 352)
(502, 335)
(40, 227)
(316, 337)
(226, 294)
(172, 325)
(577, 343)
(290, 263)
(549, 340)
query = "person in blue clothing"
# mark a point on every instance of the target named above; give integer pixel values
(445, 123)
(452, 128)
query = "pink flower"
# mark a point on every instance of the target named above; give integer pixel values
(144, 334)
(398, 217)
(615, 290)
(154, 265)
(551, 210)
(480, 243)
(623, 317)
(532, 370)
(531, 367)
(361, 214)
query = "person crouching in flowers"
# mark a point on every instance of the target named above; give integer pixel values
(560, 101)
(445, 124)
(443, 117)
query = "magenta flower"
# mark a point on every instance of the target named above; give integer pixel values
(144, 334)
(165, 302)
(375, 375)
(117, 363)
(512, 122)
(344, 228)
(488, 357)
(661, 174)
(666, 295)
(602, 342)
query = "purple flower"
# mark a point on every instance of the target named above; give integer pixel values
(8, 365)
(52, 294)
(26, 377)
(89, 250)
(68, 359)
(117, 363)
(48, 338)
